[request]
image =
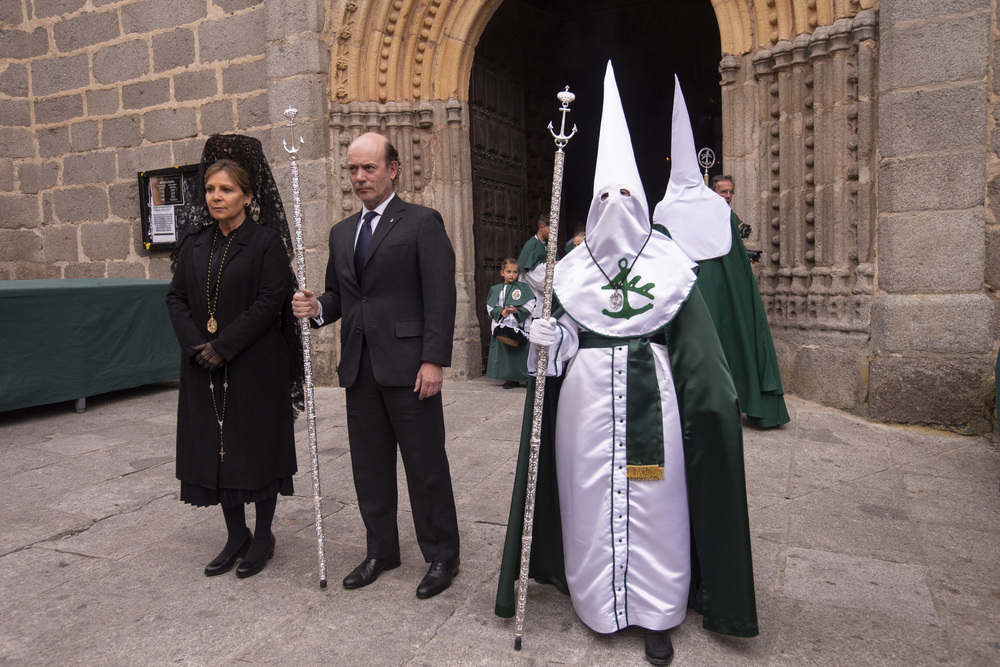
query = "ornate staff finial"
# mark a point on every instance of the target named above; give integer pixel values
(290, 115)
(562, 138)
(706, 158)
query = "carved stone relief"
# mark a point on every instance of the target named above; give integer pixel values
(816, 199)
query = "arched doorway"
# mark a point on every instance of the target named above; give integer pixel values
(530, 50)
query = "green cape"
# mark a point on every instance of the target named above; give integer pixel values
(733, 299)
(532, 254)
(722, 587)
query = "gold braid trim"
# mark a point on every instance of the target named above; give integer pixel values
(645, 472)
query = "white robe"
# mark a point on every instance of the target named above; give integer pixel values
(626, 542)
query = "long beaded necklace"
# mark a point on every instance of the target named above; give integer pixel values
(616, 301)
(211, 301)
(212, 327)
(220, 417)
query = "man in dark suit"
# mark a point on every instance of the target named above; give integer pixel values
(391, 281)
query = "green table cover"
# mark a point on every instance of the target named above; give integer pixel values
(62, 340)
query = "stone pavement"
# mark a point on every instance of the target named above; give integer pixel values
(872, 545)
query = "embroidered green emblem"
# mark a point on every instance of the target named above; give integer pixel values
(622, 290)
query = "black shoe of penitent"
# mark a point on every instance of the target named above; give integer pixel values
(659, 649)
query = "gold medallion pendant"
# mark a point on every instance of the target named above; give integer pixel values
(212, 325)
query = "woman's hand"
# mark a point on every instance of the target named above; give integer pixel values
(208, 358)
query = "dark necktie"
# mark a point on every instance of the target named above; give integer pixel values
(361, 247)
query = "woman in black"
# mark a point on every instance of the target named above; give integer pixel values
(241, 353)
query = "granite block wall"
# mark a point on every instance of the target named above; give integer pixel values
(93, 91)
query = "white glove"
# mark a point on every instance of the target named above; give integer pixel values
(543, 332)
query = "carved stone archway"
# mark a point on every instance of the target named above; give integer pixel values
(413, 50)
(402, 67)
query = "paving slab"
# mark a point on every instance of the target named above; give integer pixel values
(866, 584)
(872, 544)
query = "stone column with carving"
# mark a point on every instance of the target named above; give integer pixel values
(815, 165)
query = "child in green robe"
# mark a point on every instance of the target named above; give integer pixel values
(509, 305)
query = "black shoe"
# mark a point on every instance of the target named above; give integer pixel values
(659, 650)
(248, 568)
(510, 384)
(368, 571)
(438, 578)
(224, 562)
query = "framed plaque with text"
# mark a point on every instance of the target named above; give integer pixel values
(165, 196)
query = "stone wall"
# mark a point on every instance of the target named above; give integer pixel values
(932, 327)
(93, 91)
(799, 138)
(869, 153)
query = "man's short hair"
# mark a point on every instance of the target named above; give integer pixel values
(543, 220)
(391, 154)
(721, 177)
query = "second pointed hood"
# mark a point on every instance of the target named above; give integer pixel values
(697, 218)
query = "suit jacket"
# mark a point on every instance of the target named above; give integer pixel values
(406, 309)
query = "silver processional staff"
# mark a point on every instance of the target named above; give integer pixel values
(300, 262)
(552, 250)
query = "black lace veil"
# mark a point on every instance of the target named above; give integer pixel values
(267, 210)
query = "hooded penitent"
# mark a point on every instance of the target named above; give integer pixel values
(641, 453)
(695, 215)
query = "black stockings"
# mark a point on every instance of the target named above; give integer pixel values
(262, 531)
(236, 526)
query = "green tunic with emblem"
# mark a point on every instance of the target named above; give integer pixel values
(505, 361)
(730, 291)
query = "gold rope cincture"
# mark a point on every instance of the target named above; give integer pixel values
(212, 325)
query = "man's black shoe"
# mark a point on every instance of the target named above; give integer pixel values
(510, 384)
(438, 578)
(368, 571)
(659, 650)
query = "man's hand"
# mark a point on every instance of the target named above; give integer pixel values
(207, 357)
(429, 380)
(305, 303)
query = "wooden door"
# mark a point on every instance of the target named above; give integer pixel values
(499, 177)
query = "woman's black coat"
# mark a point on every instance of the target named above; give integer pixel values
(258, 424)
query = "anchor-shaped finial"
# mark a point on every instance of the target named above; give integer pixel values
(562, 138)
(706, 158)
(290, 115)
